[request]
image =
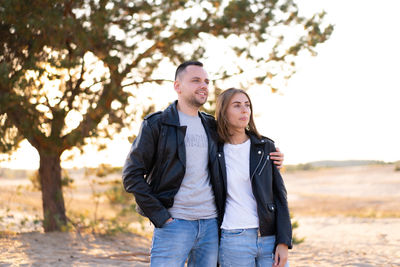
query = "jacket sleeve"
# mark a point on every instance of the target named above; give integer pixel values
(284, 226)
(138, 164)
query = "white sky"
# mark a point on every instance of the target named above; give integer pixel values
(342, 104)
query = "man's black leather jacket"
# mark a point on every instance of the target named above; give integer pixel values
(155, 165)
(268, 189)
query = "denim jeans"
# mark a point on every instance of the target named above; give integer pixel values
(243, 247)
(178, 240)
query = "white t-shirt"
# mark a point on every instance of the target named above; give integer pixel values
(241, 206)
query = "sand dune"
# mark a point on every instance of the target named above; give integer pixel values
(348, 216)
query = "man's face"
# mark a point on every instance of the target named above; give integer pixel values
(192, 86)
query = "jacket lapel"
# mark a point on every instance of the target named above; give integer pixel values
(171, 118)
(180, 140)
(212, 137)
(221, 162)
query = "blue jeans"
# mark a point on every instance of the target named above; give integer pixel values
(178, 240)
(243, 247)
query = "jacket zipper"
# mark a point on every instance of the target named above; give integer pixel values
(254, 172)
(265, 163)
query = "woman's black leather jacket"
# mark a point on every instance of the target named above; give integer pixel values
(268, 189)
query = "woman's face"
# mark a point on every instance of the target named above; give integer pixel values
(238, 112)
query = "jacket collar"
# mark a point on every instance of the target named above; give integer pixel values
(255, 140)
(170, 115)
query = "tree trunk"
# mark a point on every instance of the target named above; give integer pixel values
(52, 195)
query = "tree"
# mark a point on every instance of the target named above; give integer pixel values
(64, 60)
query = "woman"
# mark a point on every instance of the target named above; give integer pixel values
(256, 229)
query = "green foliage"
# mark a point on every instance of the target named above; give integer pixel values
(103, 170)
(15, 224)
(106, 169)
(66, 180)
(118, 195)
(83, 223)
(296, 240)
(95, 221)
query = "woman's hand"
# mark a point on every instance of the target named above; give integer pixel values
(281, 255)
(277, 157)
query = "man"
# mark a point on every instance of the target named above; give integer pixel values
(172, 171)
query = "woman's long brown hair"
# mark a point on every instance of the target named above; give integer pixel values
(223, 101)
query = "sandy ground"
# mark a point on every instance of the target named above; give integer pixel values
(348, 217)
(333, 241)
(339, 241)
(70, 249)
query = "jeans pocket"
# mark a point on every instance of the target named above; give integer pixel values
(232, 232)
(169, 223)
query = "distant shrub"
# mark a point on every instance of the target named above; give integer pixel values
(397, 167)
(13, 174)
(118, 195)
(66, 179)
(103, 170)
(122, 203)
(296, 239)
(35, 181)
(299, 167)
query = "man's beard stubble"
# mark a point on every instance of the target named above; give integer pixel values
(196, 103)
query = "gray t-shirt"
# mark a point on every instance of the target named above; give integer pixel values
(195, 199)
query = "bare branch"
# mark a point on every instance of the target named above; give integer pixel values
(146, 54)
(147, 81)
(101, 81)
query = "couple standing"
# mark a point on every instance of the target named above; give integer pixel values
(209, 187)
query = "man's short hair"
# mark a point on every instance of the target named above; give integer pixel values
(184, 65)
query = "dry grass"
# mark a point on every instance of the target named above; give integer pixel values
(348, 216)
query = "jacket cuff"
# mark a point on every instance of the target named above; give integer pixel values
(285, 241)
(160, 219)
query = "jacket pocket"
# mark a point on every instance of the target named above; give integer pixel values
(268, 222)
